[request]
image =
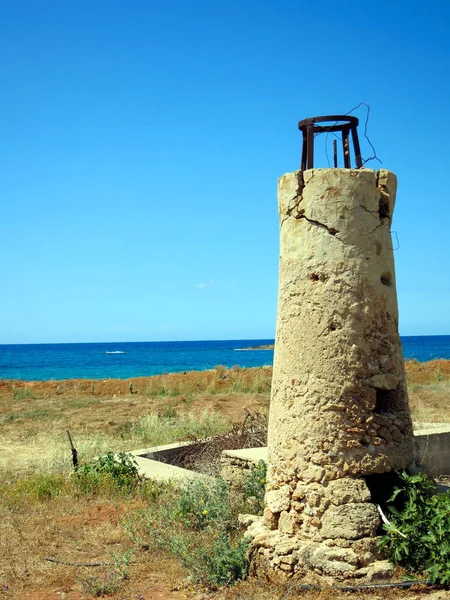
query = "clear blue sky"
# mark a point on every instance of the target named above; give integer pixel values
(141, 142)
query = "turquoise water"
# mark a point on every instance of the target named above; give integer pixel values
(135, 359)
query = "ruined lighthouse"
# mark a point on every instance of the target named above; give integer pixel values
(339, 410)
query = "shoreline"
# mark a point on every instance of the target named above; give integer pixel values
(440, 366)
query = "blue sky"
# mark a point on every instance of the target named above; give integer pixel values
(141, 143)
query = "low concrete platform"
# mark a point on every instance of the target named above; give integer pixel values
(153, 464)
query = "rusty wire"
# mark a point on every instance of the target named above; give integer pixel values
(374, 157)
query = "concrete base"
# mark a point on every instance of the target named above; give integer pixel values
(433, 448)
(153, 463)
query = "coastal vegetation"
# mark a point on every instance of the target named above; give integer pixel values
(144, 538)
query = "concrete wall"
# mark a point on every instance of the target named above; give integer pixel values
(433, 449)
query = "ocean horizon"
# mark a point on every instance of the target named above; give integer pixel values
(122, 360)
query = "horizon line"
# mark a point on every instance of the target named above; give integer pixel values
(271, 339)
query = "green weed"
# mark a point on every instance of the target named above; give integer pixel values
(21, 393)
(205, 503)
(418, 537)
(196, 525)
(119, 470)
(439, 376)
(255, 487)
(220, 562)
(35, 488)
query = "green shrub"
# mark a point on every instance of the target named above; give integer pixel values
(195, 524)
(255, 487)
(203, 503)
(117, 470)
(418, 536)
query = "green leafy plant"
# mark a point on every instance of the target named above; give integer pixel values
(121, 563)
(202, 503)
(255, 487)
(120, 470)
(418, 534)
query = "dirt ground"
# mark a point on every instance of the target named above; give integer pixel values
(75, 530)
(90, 405)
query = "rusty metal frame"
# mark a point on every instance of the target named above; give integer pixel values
(346, 124)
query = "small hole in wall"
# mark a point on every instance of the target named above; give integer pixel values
(332, 326)
(314, 277)
(386, 279)
(387, 401)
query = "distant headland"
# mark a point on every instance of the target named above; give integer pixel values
(263, 347)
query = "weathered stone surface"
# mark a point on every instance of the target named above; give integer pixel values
(247, 520)
(235, 472)
(342, 491)
(350, 521)
(270, 518)
(381, 569)
(287, 545)
(338, 358)
(339, 407)
(286, 522)
(267, 539)
(278, 500)
(328, 560)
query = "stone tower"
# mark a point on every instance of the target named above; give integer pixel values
(339, 408)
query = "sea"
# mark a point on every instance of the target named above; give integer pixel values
(121, 360)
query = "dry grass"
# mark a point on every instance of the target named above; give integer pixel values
(253, 589)
(75, 528)
(123, 415)
(429, 391)
(106, 415)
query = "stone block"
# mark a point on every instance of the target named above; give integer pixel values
(279, 500)
(350, 521)
(286, 522)
(343, 491)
